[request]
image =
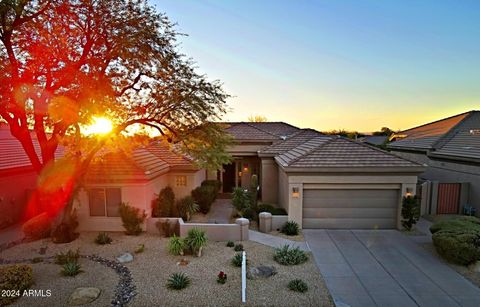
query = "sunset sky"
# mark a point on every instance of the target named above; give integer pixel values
(337, 64)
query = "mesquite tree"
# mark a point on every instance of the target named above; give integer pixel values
(64, 62)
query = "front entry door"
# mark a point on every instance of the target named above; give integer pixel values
(229, 178)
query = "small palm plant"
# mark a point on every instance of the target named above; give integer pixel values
(196, 239)
(71, 269)
(178, 281)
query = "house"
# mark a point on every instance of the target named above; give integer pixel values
(451, 149)
(17, 177)
(322, 181)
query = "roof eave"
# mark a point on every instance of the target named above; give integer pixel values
(453, 157)
(375, 169)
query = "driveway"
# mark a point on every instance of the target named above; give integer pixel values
(386, 268)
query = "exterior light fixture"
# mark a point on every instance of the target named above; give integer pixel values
(245, 167)
(409, 192)
(295, 192)
(239, 174)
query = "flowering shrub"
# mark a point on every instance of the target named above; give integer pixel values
(222, 277)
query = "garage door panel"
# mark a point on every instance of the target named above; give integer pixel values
(349, 203)
(350, 212)
(352, 223)
(350, 208)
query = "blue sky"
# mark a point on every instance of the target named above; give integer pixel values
(337, 64)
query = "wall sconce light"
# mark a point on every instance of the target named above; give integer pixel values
(409, 192)
(295, 192)
(245, 167)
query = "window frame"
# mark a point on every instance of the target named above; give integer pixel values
(105, 200)
(183, 181)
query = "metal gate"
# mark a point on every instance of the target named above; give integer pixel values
(448, 198)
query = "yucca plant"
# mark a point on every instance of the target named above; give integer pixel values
(298, 285)
(238, 248)
(230, 244)
(103, 238)
(69, 256)
(71, 269)
(176, 245)
(290, 228)
(178, 281)
(196, 239)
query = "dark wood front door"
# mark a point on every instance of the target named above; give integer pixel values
(229, 178)
(448, 198)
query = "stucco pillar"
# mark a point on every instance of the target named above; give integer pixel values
(269, 181)
(464, 196)
(265, 222)
(244, 223)
(434, 199)
(295, 203)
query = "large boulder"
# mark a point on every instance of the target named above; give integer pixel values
(125, 258)
(83, 296)
(262, 271)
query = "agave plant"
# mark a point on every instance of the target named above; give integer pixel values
(176, 245)
(71, 269)
(178, 281)
(103, 238)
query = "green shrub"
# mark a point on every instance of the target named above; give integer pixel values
(187, 207)
(204, 196)
(271, 209)
(178, 281)
(457, 239)
(254, 193)
(290, 228)
(238, 248)
(230, 244)
(38, 227)
(69, 256)
(249, 213)
(166, 227)
(289, 256)
(176, 245)
(37, 260)
(196, 239)
(71, 269)
(217, 185)
(132, 219)
(103, 238)
(164, 205)
(240, 199)
(237, 260)
(16, 278)
(410, 212)
(298, 285)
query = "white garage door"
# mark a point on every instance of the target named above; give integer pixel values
(347, 209)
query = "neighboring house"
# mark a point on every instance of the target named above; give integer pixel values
(17, 176)
(322, 181)
(451, 149)
(375, 140)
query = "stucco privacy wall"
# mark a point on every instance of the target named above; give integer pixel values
(283, 191)
(450, 172)
(13, 194)
(214, 232)
(364, 181)
(136, 195)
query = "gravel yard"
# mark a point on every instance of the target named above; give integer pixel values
(151, 269)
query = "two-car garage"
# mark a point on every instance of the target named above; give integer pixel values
(351, 207)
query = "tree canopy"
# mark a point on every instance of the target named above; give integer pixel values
(64, 62)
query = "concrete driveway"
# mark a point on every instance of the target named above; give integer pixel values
(386, 268)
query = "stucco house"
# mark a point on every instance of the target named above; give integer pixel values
(322, 181)
(451, 149)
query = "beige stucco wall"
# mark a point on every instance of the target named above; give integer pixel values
(137, 195)
(269, 182)
(295, 204)
(283, 200)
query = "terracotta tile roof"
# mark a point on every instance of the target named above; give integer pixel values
(12, 155)
(425, 136)
(164, 152)
(456, 137)
(339, 152)
(293, 141)
(269, 131)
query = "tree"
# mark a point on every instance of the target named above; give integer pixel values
(342, 132)
(384, 131)
(64, 62)
(257, 119)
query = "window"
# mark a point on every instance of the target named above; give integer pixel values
(105, 201)
(181, 181)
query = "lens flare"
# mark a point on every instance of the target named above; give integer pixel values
(100, 125)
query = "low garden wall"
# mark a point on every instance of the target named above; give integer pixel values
(268, 222)
(278, 221)
(215, 232)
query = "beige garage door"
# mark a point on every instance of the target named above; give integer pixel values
(346, 209)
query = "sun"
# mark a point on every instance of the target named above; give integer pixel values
(99, 125)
